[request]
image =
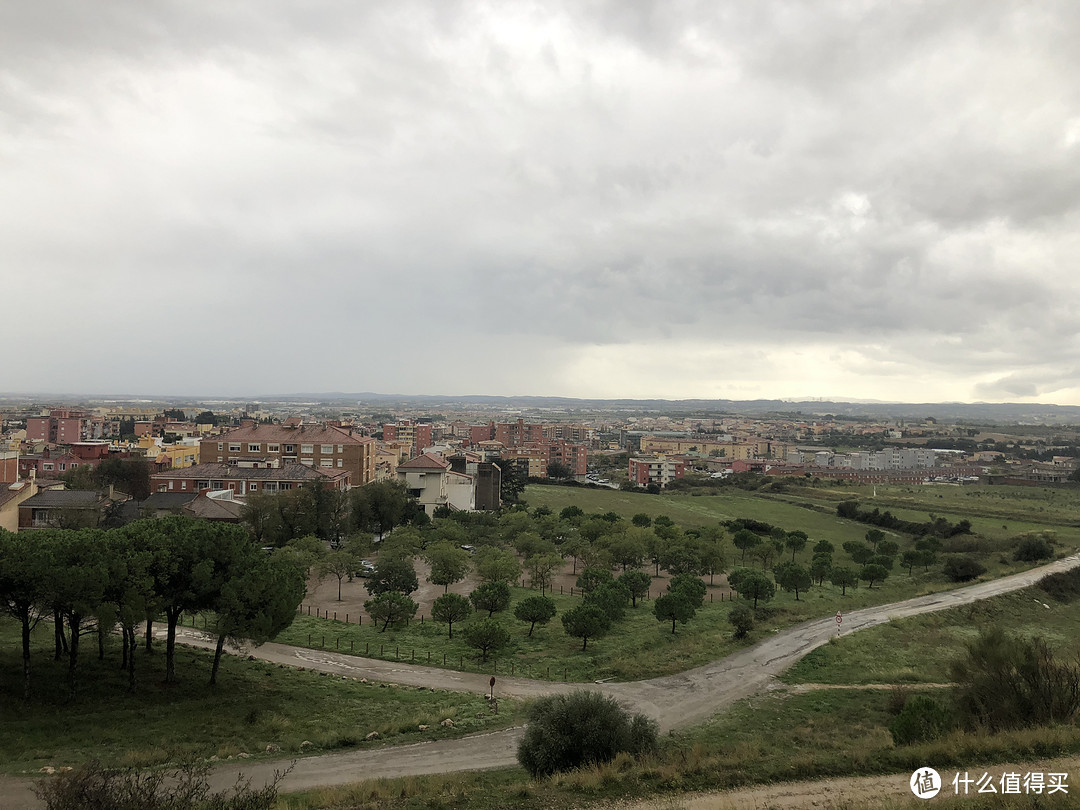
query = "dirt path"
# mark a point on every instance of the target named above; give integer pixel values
(676, 701)
(870, 792)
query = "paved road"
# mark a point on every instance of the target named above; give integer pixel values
(676, 701)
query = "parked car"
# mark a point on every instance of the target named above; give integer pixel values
(366, 569)
(469, 549)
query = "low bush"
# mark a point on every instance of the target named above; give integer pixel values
(1063, 586)
(1005, 682)
(742, 619)
(963, 569)
(583, 728)
(922, 719)
(1033, 549)
(93, 787)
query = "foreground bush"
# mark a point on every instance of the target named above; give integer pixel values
(582, 728)
(1033, 549)
(1005, 682)
(963, 569)
(922, 719)
(742, 619)
(92, 787)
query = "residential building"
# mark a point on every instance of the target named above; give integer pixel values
(59, 426)
(415, 435)
(579, 434)
(9, 466)
(66, 508)
(433, 483)
(321, 446)
(244, 477)
(519, 433)
(51, 462)
(487, 479)
(12, 495)
(169, 456)
(659, 469)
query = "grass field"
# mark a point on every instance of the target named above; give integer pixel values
(785, 735)
(910, 651)
(254, 705)
(637, 647)
(996, 513)
(640, 647)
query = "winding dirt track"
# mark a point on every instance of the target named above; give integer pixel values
(675, 701)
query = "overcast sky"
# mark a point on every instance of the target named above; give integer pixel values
(872, 200)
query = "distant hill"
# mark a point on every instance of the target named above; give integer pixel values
(982, 412)
(975, 412)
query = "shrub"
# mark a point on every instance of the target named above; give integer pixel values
(1005, 682)
(583, 728)
(922, 719)
(898, 698)
(963, 569)
(1033, 549)
(1063, 586)
(742, 619)
(93, 787)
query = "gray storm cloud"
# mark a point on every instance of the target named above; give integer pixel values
(346, 186)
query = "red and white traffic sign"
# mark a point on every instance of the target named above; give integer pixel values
(839, 621)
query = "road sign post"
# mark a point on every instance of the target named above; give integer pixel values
(839, 621)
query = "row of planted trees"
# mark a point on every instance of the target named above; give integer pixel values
(93, 581)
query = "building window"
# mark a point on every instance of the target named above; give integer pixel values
(327, 449)
(290, 448)
(307, 448)
(254, 448)
(273, 448)
(308, 462)
(220, 446)
(326, 462)
(253, 487)
(234, 448)
(341, 448)
(286, 485)
(339, 463)
(47, 465)
(170, 485)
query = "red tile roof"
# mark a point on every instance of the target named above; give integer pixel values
(427, 461)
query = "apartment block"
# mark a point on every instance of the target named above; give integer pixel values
(321, 446)
(418, 436)
(430, 479)
(660, 470)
